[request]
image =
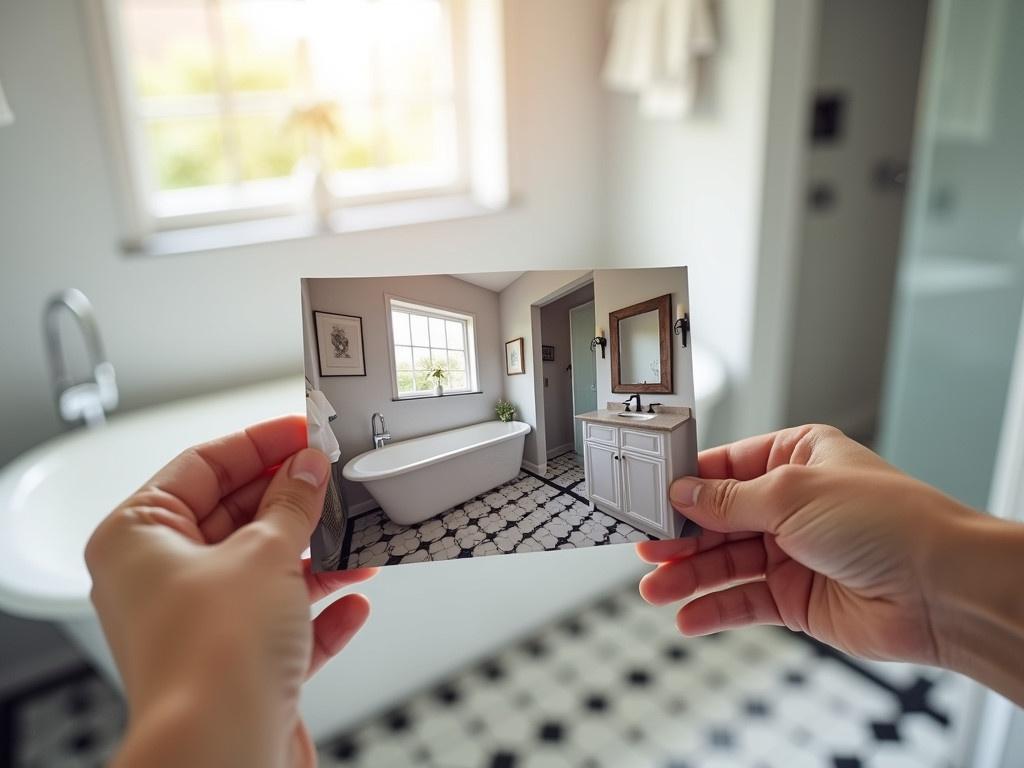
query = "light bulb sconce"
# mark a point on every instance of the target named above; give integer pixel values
(681, 327)
(599, 341)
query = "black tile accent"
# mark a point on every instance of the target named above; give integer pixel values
(638, 677)
(345, 749)
(885, 731)
(794, 677)
(756, 708)
(503, 759)
(677, 652)
(492, 670)
(398, 721)
(551, 731)
(534, 647)
(846, 761)
(82, 741)
(596, 702)
(721, 738)
(447, 695)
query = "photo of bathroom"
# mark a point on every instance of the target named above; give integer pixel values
(498, 413)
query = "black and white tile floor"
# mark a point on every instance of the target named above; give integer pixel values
(527, 514)
(612, 686)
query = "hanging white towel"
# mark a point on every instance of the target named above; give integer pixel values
(6, 116)
(655, 52)
(318, 414)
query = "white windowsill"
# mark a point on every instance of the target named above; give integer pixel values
(361, 218)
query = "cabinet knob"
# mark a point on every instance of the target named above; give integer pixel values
(616, 458)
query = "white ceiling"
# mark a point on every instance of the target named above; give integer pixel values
(493, 281)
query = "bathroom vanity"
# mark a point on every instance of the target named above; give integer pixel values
(630, 460)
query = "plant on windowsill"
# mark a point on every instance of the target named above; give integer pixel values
(505, 410)
(438, 374)
(316, 124)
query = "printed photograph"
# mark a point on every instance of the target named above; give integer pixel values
(455, 432)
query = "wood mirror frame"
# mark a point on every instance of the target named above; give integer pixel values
(663, 305)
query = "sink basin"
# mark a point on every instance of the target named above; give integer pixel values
(636, 416)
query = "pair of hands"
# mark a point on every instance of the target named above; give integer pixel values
(205, 602)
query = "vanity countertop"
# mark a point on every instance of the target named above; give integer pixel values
(665, 420)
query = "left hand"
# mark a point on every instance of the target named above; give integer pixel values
(203, 597)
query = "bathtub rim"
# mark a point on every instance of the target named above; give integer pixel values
(350, 473)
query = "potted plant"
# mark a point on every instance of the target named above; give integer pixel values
(438, 374)
(316, 124)
(505, 410)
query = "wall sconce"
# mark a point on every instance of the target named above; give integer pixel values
(681, 327)
(599, 341)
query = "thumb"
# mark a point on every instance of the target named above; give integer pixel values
(729, 505)
(294, 499)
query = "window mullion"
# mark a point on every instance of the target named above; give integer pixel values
(229, 122)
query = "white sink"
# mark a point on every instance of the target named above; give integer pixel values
(635, 416)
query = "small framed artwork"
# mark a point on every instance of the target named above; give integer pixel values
(514, 360)
(339, 341)
(547, 353)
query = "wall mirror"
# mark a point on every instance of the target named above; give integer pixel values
(641, 352)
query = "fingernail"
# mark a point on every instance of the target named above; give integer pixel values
(310, 467)
(685, 491)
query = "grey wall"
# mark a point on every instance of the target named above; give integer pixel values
(554, 326)
(618, 289)
(356, 397)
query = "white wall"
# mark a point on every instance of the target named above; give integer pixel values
(554, 321)
(184, 324)
(617, 289)
(355, 398)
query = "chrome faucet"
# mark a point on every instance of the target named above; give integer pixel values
(379, 438)
(90, 400)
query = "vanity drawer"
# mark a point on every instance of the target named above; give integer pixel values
(645, 442)
(602, 433)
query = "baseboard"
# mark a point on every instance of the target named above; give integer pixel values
(537, 469)
(560, 449)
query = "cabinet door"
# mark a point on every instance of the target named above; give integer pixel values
(602, 471)
(644, 489)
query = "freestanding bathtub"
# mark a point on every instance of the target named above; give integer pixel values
(414, 480)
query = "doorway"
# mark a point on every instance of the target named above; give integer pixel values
(569, 370)
(584, 368)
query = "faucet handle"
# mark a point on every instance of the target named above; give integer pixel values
(628, 403)
(650, 407)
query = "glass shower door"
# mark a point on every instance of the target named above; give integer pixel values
(960, 286)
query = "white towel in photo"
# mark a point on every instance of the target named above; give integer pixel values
(318, 414)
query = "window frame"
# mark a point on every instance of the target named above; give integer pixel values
(131, 158)
(427, 309)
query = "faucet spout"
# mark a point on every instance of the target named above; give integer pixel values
(77, 400)
(379, 438)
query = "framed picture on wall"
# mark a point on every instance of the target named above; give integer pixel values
(339, 341)
(547, 353)
(515, 362)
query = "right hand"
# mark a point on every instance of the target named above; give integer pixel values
(809, 529)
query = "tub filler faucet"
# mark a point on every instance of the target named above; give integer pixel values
(379, 438)
(91, 400)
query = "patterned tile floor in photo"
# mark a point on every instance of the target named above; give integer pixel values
(528, 514)
(612, 686)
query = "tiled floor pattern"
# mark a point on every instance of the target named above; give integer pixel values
(613, 686)
(530, 513)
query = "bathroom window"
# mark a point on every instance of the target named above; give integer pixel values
(425, 339)
(235, 110)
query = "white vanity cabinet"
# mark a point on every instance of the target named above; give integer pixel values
(629, 470)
